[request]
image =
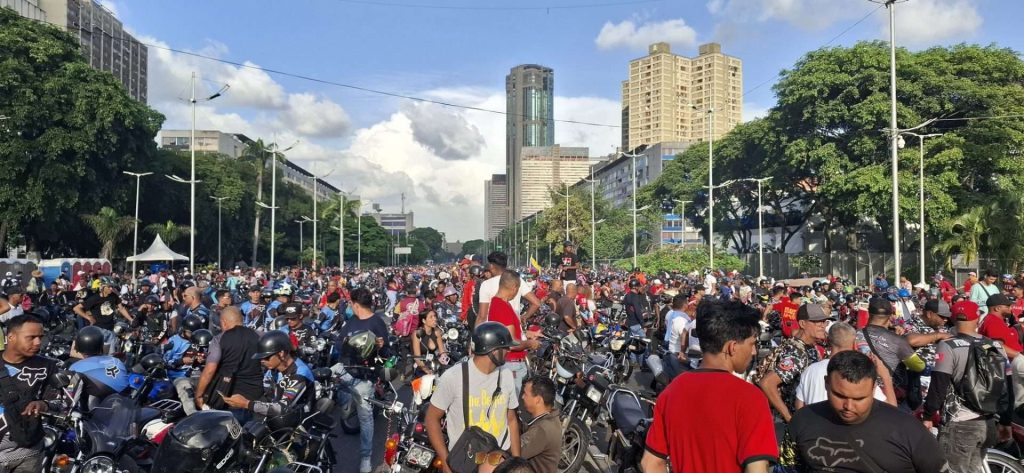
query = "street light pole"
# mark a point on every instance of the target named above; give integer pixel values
(135, 244)
(760, 234)
(316, 216)
(633, 160)
(920, 188)
(220, 263)
(682, 220)
(301, 221)
(192, 179)
(711, 186)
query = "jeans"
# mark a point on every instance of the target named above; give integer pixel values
(30, 464)
(961, 444)
(637, 331)
(674, 367)
(1017, 378)
(186, 388)
(110, 341)
(519, 372)
(363, 389)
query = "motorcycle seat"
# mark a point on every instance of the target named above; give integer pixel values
(147, 414)
(627, 413)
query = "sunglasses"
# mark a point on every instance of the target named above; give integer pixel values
(491, 458)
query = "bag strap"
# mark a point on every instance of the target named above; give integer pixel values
(465, 394)
(867, 460)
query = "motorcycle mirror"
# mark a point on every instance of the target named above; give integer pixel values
(322, 374)
(61, 378)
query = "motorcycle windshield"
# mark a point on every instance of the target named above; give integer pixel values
(114, 418)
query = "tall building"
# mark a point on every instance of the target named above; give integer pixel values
(495, 205)
(530, 121)
(613, 176)
(395, 224)
(105, 44)
(549, 167)
(231, 144)
(666, 97)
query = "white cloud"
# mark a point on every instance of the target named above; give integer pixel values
(601, 140)
(926, 22)
(444, 131)
(311, 116)
(752, 111)
(628, 34)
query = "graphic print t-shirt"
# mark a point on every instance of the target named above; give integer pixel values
(569, 259)
(29, 379)
(486, 410)
(102, 309)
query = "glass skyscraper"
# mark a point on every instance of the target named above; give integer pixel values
(530, 95)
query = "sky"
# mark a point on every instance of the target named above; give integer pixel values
(459, 51)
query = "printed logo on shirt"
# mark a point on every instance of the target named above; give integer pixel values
(831, 453)
(489, 413)
(112, 371)
(32, 375)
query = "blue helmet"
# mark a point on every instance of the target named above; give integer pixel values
(904, 293)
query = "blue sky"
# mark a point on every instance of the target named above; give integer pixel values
(381, 146)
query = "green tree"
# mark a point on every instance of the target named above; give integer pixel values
(259, 154)
(433, 242)
(109, 228)
(70, 131)
(169, 231)
(475, 247)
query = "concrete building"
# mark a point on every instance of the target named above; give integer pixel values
(496, 206)
(288, 171)
(614, 177)
(395, 224)
(105, 44)
(530, 121)
(27, 8)
(231, 144)
(666, 97)
(545, 168)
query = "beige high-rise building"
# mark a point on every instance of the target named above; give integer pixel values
(495, 206)
(547, 167)
(667, 96)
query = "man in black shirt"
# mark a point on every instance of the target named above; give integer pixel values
(100, 309)
(853, 432)
(25, 380)
(634, 304)
(230, 368)
(569, 263)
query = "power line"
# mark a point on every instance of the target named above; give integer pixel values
(498, 7)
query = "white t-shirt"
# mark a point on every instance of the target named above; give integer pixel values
(489, 289)
(679, 326)
(812, 384)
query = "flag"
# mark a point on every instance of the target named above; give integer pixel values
(535, 264)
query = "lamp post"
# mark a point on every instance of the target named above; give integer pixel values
(682, 219)
(760, 220)
(566, 195)
(192, 183)
(316, 216)
(920, 188)
(138, 184)
(711, 200)
(593, 216)
(301, 221)
(273, 236)
(273, 200)
(359, 245)
(636, 211)
(192, 179)
(220, 263)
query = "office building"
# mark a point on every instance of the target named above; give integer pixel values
(105, 44)
(530, 121)
(395, 224)
(292, 173)
(613, 176)
(549, 167)
(666, 97)
(230, 144)
(496, 206)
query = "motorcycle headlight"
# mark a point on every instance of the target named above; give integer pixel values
(593, 394)
(453, 333)
(420, 456)
(100, 464)
(617, 344)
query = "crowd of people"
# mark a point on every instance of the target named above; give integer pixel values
(758, 375)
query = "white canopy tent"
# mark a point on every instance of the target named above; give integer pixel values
(158, 251)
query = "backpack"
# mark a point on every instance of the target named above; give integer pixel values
(984, 378)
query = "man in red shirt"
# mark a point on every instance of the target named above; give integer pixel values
(787, 311)
(995, 326)
(502, 312)
(710, 419)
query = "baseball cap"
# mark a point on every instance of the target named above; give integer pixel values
(965, 311)
(291, 310)
(812, 312)
(939, 307)
(972, 273)
(998, 299)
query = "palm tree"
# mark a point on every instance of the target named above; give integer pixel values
(169, 232)
(258, 153)
(110, 228)
(967, 235)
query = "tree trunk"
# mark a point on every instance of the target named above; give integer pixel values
(108, 250)
(259, 198)
(4, 226)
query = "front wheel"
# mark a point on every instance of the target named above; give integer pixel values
(575, 441)
(998, 461)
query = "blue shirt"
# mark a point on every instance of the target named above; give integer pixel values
(174, 351)
(329, 315)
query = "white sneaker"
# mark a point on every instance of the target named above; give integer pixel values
(365, 466)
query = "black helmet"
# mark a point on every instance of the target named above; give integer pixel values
(89, 341)
(192, 323)
(151, 362)
(152, 299)
(271, 343)
(266, 292)
(475, 270)
(202, 338)
(490, 336)
(363, 343)
(634, 283)
(552, 319)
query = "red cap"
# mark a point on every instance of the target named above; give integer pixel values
(965, 311)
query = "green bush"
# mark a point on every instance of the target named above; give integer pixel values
(681, 260)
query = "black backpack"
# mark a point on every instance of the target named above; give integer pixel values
(984, 378)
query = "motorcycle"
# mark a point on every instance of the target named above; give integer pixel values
(383, 390)
(629, 417)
